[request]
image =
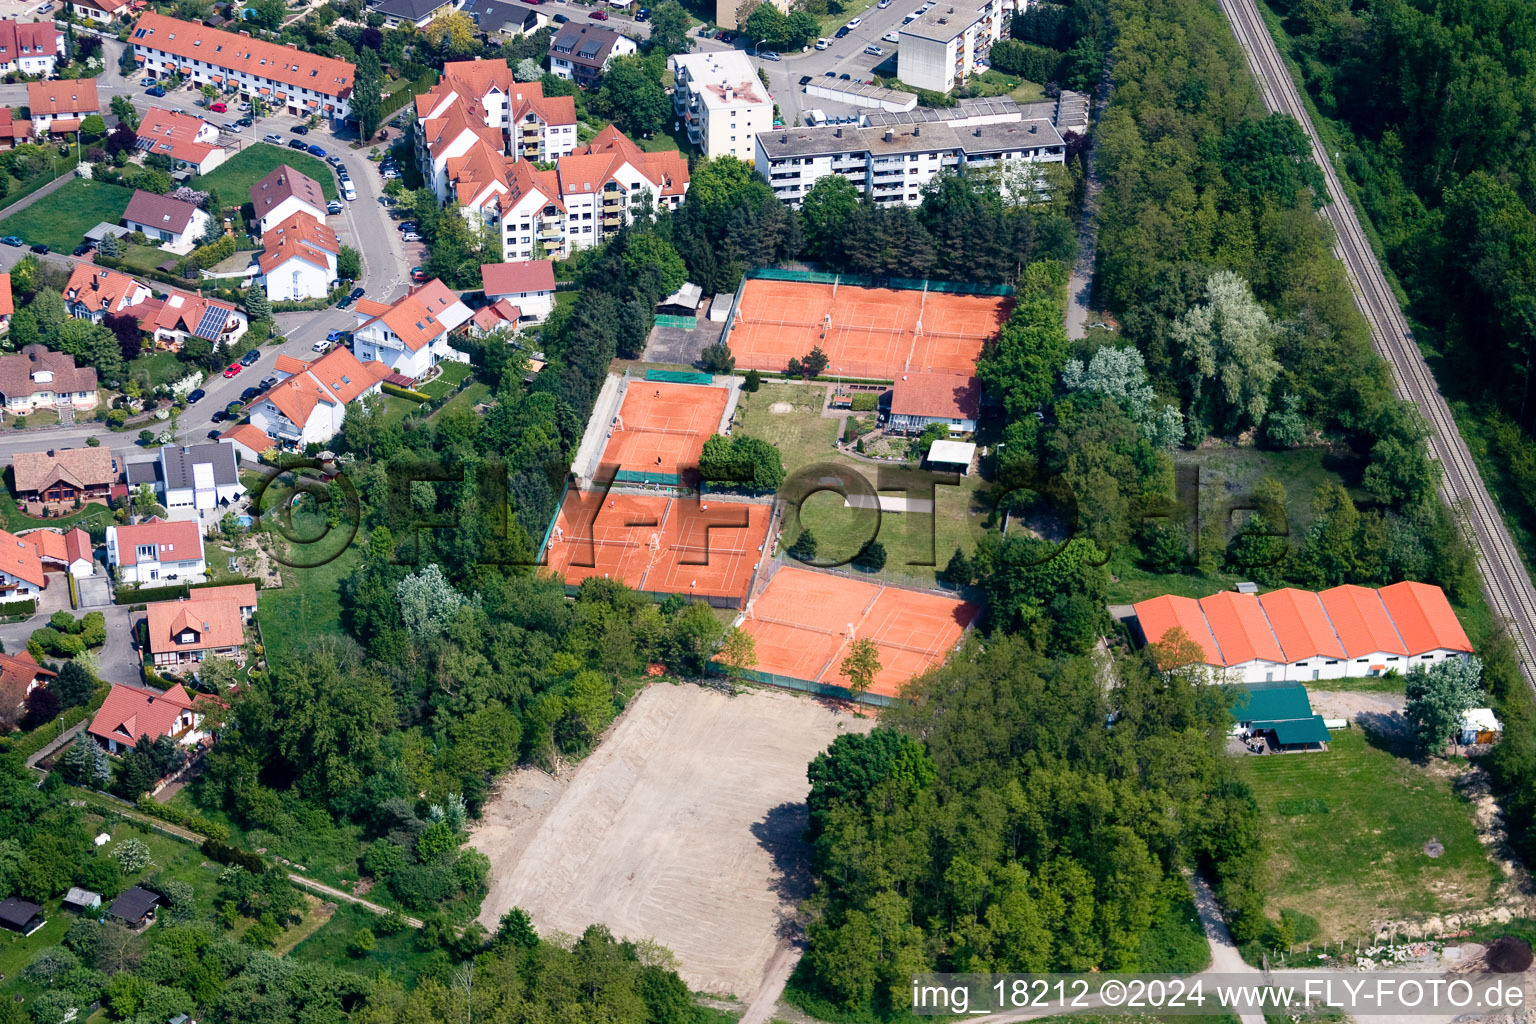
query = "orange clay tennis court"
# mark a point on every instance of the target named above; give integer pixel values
(662, 427)
(703, 549)
(871, 331)
(800, 624)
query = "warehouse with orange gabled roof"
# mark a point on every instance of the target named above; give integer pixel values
(1298, 635)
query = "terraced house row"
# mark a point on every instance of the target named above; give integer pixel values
(285, 78)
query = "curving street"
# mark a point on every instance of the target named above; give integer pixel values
(1506, 580)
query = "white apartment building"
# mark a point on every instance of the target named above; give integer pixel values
(891, 163)
(721, 101)
(590, 195)
(285, 78)
(415, 333)
(941, 48)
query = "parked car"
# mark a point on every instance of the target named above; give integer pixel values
(855, 22)
(892, 36)
(249, 393)
(342, 174)
(298, 144)
(12, 240)
(244, 107)
(40, 248)
(883, 4)
(643, 14)
(841, 32)
(560, 19)
(805, 80)
(598, 16)
(411, 236)
(317, 151)
(230, 128)
(196, 395)
(348, 192)
(356, 294)
(333, 207)
(338, 336)
(406, 225)
(218, 108)
(251, 357)
(145, 83)
(154, 90)
(843, 77)
(267, 382)
(320, 346)
(219, 417)
(45, 8)
(823, 43)
(874, 51)
(300, 129)
(214, 435)
(334, 161)
(418, 275)
(233, 370)
(84, 247)
(391, 174)
(768, 55)
(272, 137)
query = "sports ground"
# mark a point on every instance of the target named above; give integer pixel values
(865, 332)
(656, 543)
(662, 427)
(803, 621)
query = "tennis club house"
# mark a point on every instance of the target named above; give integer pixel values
(1297, 635)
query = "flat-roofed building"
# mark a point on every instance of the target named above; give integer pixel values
(721, 102)
(939, 50)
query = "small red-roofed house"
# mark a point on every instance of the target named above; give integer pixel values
(309, 401)
(920, 399)
(190, 143)
(248, 440)
(211, 620)
(7, 304)
(130, 712)
(20, 674)
(298, 259)
(156, 550)
(415, 333)
(67, 552)
(59, 107)
(527, 284)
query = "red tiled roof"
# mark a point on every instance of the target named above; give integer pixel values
(337, 376)
(520, 276)
(27, 39)
(299, 237)
(1424, 618)
(20, 559)
(7, 304)
(176, 135)
(249, 435)
(1301, 625)
(175, 541)
(214, 613)
(1241, 631)
(157, 211)
(17, 671)
(1162, 615)
(286, 64)
(283, 182)
(946, 395)
(71, 97)
(1361, 621)
(133, 711)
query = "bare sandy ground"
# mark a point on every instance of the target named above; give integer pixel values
(683, 826)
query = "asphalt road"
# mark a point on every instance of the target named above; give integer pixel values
(1505, 578)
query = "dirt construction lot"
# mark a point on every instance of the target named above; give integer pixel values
(683, 826)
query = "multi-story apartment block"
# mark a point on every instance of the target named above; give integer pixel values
(891, 163)
(940, 49)
(285, 78)
(586, 198)
(721, 102)
(476, 116)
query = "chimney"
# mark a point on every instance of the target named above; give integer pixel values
(838, 133)
(890, 136)
(917, 130)
(977, 133)
(1033, 128)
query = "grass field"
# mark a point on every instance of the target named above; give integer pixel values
(61, 220)
(161, 368)
(234, 177)
(1346, 831)
(447, 380)
(395, 956)
(309, 602)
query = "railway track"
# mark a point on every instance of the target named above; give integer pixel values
(1506, 581)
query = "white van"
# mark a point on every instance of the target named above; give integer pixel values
(348, 193)
(823, 43)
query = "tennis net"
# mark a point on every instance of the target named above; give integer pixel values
(674, 431)
(796, 625)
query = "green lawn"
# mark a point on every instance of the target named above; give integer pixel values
(466, 399)
(1346, 831)
(62, 219)
(234, 177)
(161, 368)
(447, 380)
(394, 955)
(397, 408)
(802, 436)
(309, 602)
(145, 257)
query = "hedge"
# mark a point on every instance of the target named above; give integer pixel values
(135, 595)
(217, 849)
(190, 820)
(22, 608)
(864, 401)
(46, 733)
(233, 581)
(406, 393)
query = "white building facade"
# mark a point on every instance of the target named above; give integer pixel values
(939, 50)
(721, 102)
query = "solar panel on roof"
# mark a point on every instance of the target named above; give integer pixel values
(211, 323)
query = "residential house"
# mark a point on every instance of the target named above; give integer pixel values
(190, 143)
(891, 162)
(290, 80)
(721, 102)
(940, 49)
(21, 569)
(13, 130)
(7, 304)
(507, 20)
(588, 197)
(156, 550)
(211, 620)
(499, 315)
(920, 399)
(175, 224)
(419, 13)
(415, 333)
(248, 441)
(94, 292)
(59, 107)
(70, 552)
(200, 476)
(103, 12)
(581, 51)
(298, 259)
(135, 907)
(180, 315)
(63, 475)
(1297, 635)
(477, 117)
(284, 192)
(309, 400)
(37, 378)
(528, 285)
(30, 47)
(19, 676)
(20, 916)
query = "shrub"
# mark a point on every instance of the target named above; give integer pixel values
(132, 855)
(216, 849)
(360, 944)
(864, 401)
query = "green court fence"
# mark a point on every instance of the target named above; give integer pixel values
(686, 323)
(646, 478)
(867, 281)
(550, 529)
(678, 376)
(807, 686)
(730, 603)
